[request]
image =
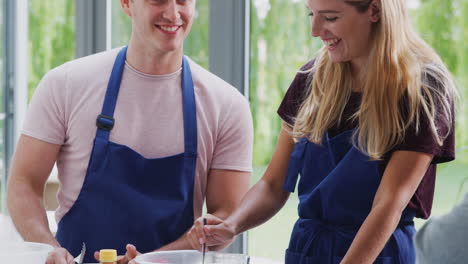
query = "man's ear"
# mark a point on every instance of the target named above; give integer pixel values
(375, 11)
(126, 7)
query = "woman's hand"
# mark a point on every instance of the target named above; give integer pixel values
(214, 238)
(219, 233)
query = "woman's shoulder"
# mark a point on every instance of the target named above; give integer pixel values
(303, 76)
(296, 93)
(309, 65)
(436, 77)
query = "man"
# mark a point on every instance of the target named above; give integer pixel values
(140, 135)
(442, 239)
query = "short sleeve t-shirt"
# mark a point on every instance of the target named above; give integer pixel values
(149, 119)
(421, 141)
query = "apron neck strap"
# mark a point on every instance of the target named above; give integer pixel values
(105, 121)
(189, 109)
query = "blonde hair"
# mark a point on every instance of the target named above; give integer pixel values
(402, 70)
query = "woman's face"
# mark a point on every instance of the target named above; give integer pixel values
(344, 31)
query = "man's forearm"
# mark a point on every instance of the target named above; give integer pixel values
(28, 213)
(180, 244)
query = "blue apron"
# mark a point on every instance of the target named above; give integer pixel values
(336, 190)
(127, 198)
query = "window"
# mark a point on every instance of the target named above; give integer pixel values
(51, 43)
(51, 37)
(2, 111)
(277, 52)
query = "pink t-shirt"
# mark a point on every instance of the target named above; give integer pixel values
(148, 118)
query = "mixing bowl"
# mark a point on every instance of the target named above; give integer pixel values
(24, 252)
(191, 257)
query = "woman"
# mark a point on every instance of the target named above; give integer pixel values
(364, 125)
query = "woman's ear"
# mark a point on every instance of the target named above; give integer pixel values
(375, 11)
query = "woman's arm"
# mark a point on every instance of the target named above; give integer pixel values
(261, 202)
(401, 178)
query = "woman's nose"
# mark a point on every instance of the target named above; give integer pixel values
(316, 29)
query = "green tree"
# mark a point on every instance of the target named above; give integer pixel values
(280, 44)
(51, 37)
(461, 47)
(444, 26)
(196, 44)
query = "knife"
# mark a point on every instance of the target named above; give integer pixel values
(79, 259)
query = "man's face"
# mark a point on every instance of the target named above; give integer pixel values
(162, 25)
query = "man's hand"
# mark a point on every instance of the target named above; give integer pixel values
(59, 256)
(125, 259)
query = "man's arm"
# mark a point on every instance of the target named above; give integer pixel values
(224, 194)
(225, 190)
(443, 238)
(32, 163)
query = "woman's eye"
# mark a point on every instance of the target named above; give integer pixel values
(331, 19)
(311, 14)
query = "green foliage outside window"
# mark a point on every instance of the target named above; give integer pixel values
(51, 37)
(443, 24)
(280, 45)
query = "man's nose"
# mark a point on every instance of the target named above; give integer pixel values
(172, 11)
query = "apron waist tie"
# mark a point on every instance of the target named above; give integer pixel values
(309, 223)
(320, 226)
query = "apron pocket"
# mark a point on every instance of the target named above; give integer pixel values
(379, 260)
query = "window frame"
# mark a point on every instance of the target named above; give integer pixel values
(15, 76)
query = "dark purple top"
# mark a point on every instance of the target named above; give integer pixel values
(423, 141)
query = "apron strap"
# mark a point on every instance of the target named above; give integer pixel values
(295, 165)
(105, 121)
(189, 109)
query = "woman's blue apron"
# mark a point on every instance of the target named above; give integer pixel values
(336, 190)
(127, 198)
